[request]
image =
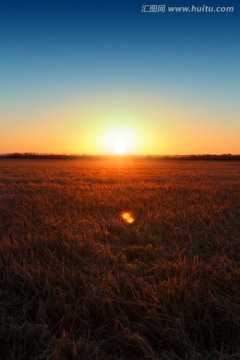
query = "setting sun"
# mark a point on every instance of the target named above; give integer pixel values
(120, 146)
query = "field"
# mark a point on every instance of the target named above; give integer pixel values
(79, 282)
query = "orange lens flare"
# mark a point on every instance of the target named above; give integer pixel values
(127, 216)
(130, 220)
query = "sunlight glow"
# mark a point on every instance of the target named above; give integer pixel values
(119, 139)
(120, 146)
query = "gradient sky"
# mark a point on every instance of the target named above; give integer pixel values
(76, 75)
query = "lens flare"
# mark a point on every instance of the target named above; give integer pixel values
(127, 216)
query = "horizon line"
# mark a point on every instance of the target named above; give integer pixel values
(49, 154)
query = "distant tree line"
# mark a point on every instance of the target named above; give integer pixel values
(205, 157)
(48, 156)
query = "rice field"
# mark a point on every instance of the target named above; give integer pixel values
(80, 280)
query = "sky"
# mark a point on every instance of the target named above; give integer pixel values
(77, 76)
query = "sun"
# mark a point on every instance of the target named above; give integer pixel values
(120, 146)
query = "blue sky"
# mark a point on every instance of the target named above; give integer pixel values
(56, 54)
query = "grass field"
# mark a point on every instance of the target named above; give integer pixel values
(79, 282)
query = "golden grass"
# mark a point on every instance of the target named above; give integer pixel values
(80, 282)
